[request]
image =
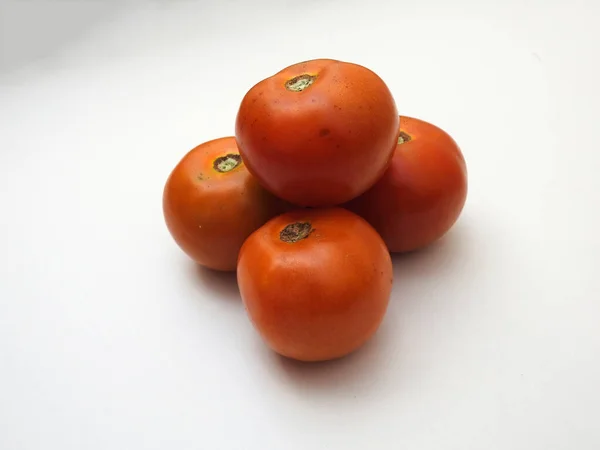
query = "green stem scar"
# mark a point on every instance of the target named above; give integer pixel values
(227, 163)
(404, 137)
(300, 82)
(295, 232)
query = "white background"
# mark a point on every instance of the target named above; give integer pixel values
(111, 339)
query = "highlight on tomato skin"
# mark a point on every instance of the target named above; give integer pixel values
(422, 193)
(211, 204)
(316, 283)
(318, 133)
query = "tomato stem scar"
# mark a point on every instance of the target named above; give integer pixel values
(300, 82)
(404, 137)
(227, 162)
(295, 232)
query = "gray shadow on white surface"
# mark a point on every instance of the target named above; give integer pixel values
(350, 376)
(425, 275)
(430, 260)
(222, 284)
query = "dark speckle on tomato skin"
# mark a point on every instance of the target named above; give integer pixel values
(324, 132)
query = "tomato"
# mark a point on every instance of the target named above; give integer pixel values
(211, 204)
(315, 282)
(318, 133)
(422, 193)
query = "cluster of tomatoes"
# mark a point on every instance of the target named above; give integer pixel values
(322, 180)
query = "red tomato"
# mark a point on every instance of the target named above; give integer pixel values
(422, 193)
(212, 204)
(315, 282)
(318, 133)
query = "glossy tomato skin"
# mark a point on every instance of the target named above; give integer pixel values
(323, 296)
(422, 193)
(210, 212)
(325, 144)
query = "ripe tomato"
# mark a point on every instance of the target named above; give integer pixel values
(315, 282)
(211, 204)
(422, 193)
(318, 133)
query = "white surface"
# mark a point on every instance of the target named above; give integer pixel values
(111, 339)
